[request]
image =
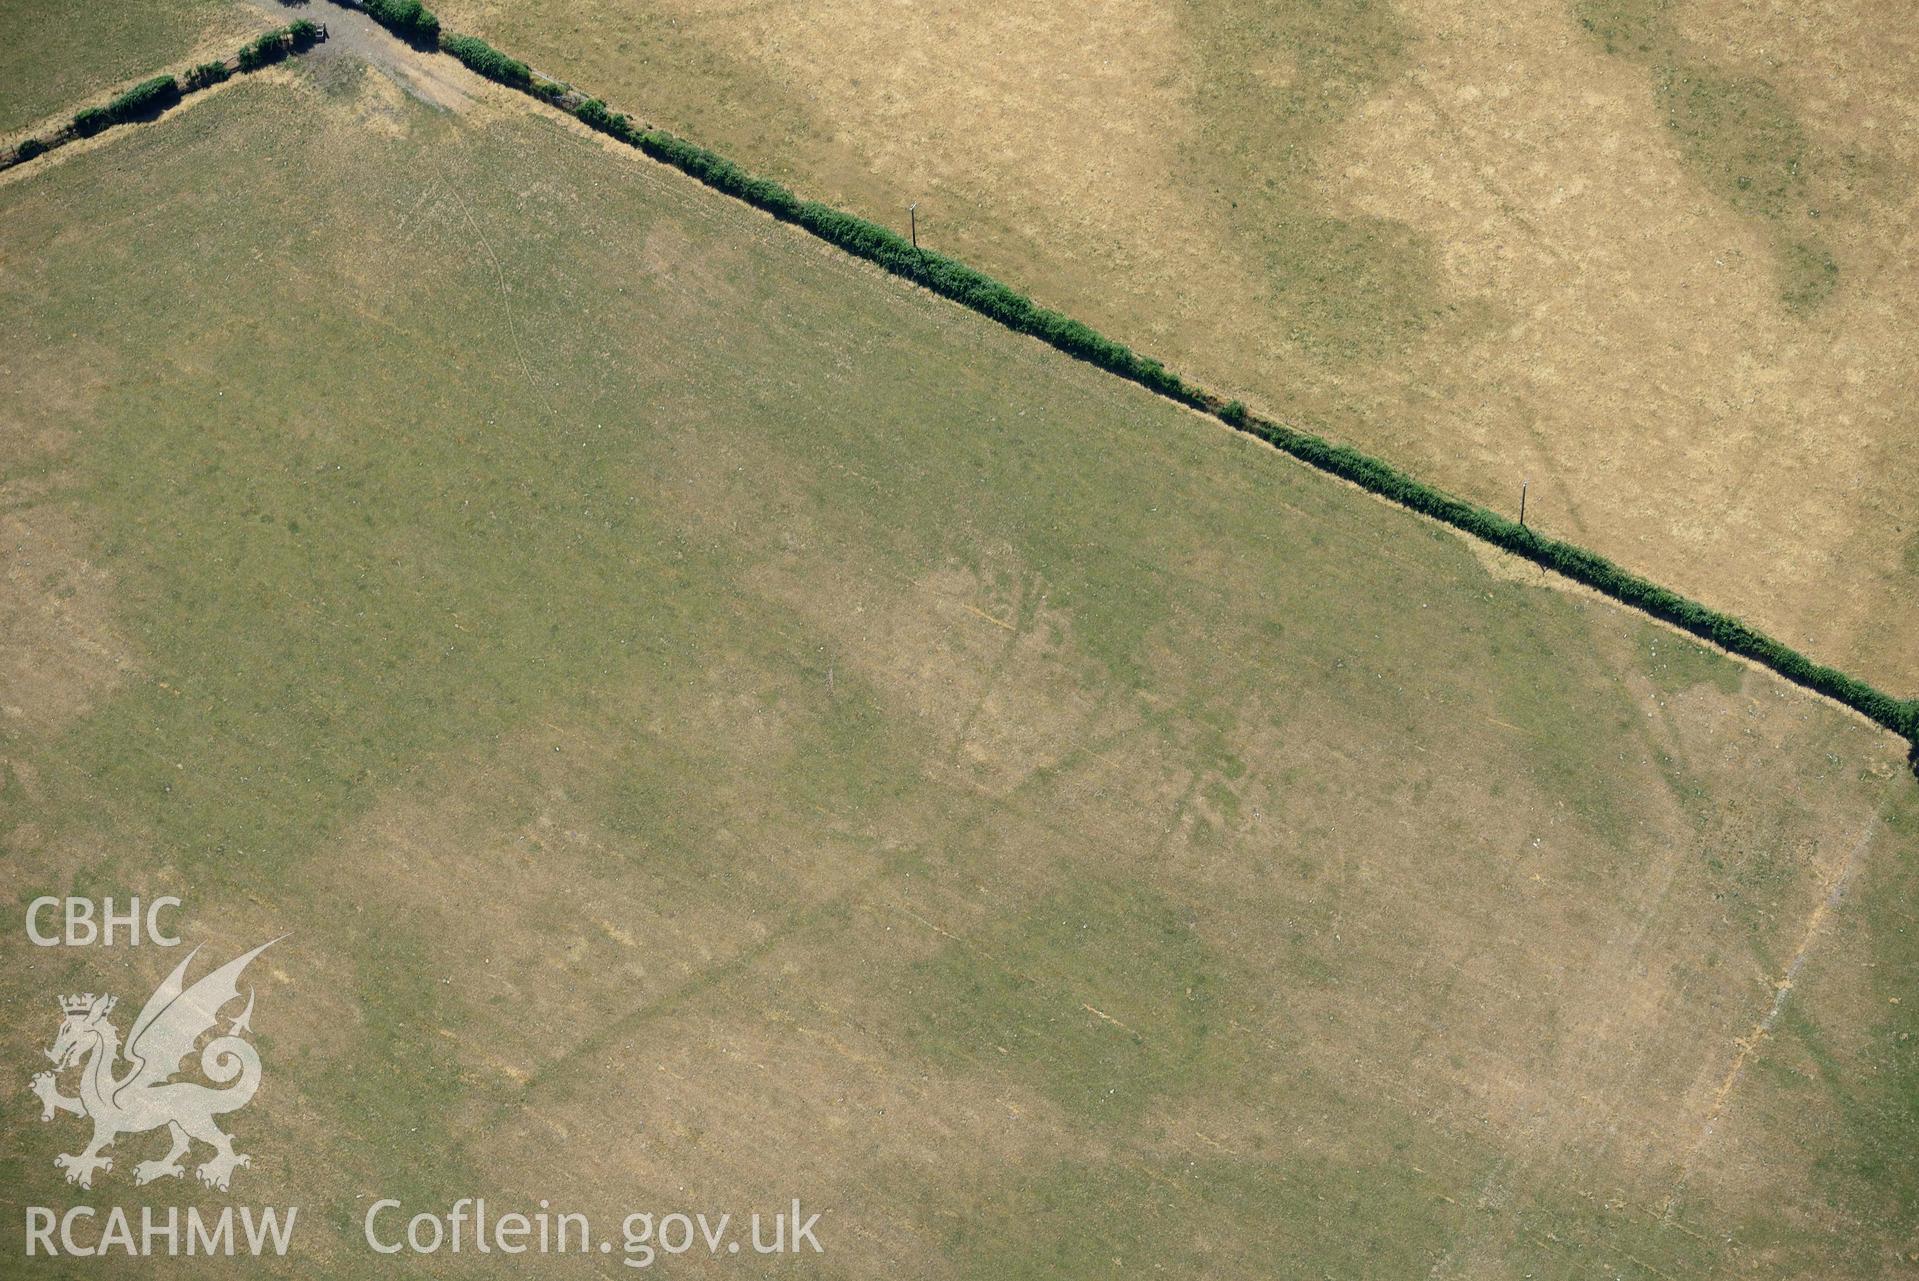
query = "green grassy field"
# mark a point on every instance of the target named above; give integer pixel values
(57, 55)
(1646, 254)
(721, 726)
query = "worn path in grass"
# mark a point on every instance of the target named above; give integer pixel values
(351, 34)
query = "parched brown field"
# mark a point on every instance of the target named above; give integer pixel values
(723, 726)
(1654, 258)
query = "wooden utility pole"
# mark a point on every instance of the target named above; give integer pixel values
(913, 212)
(1523, 485)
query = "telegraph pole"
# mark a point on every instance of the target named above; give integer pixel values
(913, 212)
(1523, 485)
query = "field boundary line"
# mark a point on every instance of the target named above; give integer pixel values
(413, 24)
(154, 97)
(981, 293)
(1749, 1046)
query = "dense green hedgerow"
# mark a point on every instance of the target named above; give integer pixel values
(264, 51)
(974, 289)
(206, 75)
(91, 120)
(1594, 570)
(894, 252)
(595, 113)
(277, 44)
(488, 61)
(408, 19)
(149, 97)
(146, 98)
(268, 49)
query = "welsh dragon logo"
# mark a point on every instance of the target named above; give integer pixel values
(143, 1096)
